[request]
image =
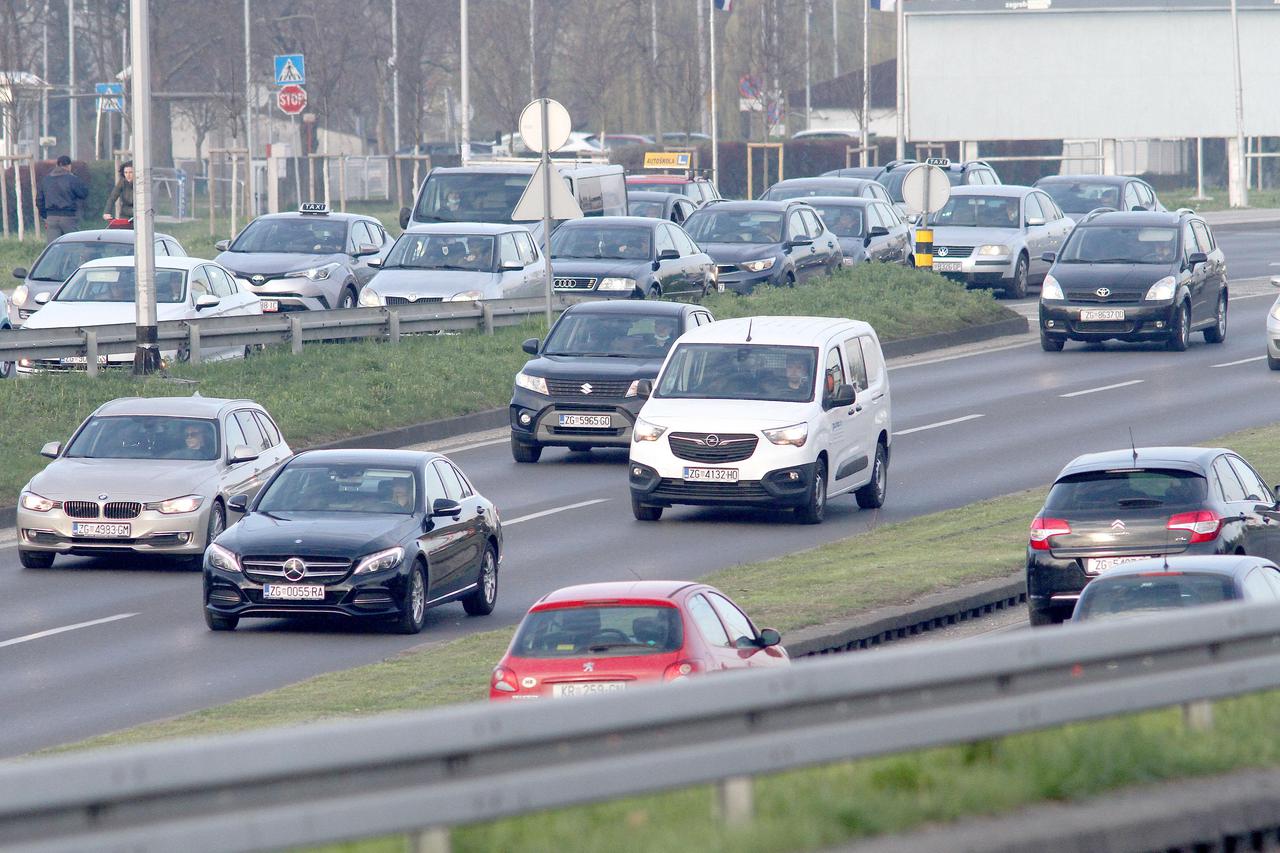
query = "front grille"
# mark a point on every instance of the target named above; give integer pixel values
(952, 252)
(575, 283)
(80, 509)
(122, 509)
(402, 300)
(588, 387)
(1092, 296)
(671, 489)
(724, 269)
(712, 448)
(270, 569)
(1119, 327)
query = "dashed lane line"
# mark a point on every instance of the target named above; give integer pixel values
(64, 629)
(1104, 388)
(935, 426)
(544, 513)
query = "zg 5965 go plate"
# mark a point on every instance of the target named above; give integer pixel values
(1092, 315)
(586, 688)
(947, 266)
(100, 530)
(711, 475)
(293, 592)
(589, 421)
(1097, 565)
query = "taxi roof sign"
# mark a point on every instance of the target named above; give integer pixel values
(318, 208)
(943, 162)
(667, 159)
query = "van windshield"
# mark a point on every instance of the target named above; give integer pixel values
(740, 372)
(470, 197)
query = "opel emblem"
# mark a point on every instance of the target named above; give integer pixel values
(589, 666)
(712, 441)
(102, 497)
(258, 279)
(586, 387)
(1104, 292)
(942, 252)
(294, 569)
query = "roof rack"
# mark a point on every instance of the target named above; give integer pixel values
(1098, 211)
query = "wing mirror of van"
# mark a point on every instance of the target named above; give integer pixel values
(19, 272)
(644, 388)
(1196, 258)
(530, 346)
(404, 217)
(222, 245)
(51, 450)
(844, 395)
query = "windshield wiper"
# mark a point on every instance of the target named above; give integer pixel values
(604, 647)
(1140, 502)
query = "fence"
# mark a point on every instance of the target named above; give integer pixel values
(426, 771)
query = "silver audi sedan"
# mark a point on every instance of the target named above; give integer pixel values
(147, 476)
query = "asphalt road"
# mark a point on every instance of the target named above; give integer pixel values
(93, 646)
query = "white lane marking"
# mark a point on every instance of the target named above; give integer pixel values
(959, 355)
(461, 447)
(1240, 361)
(531, 516)
(1104, 388)
(49, 633)
(935, 426)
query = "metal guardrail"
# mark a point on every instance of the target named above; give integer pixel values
(413, 772)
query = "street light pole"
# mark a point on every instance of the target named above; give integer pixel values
(146, 358)
(395, 78)
(902, 83)
(466, 93)
(715, 124)
(71, 77)
(808, 94)
(249, 188)
(1238, 192)
(835, 38)
(533, 55)
(866, 82)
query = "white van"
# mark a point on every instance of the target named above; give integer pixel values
(771, 412)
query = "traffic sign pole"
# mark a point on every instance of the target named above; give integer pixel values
(146, 357)
(544, 109)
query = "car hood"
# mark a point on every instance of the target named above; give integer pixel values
(733, 253)
(584, 367)
(63, 315)
(124, 479)
(332, 534)
(441, 283)
(723, 415)
(274, 263)
(961, 236)
(603, 268)
(1117, 277)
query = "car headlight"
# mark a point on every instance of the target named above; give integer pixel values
(465, 296)
(1162, 289)
(993, 250)
(19, 295)
(371, 299)
(758, 265)
(795, 435)
(387, 559)
(1050, 289)
(315, 273)
(536, 384)
(616, 284)
(646, 431)
(176, 506)
(38, 503)
(222, 558)
(1275, 311)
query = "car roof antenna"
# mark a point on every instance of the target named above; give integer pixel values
(750, 320)
(1133, 447)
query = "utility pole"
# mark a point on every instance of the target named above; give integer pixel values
(146, 358)
(715, 125)
(533, 54)
(248, 117)
(808, 94)
(866, 80)
(71, 77)
(653, 73)
(835, 38)
(465, 148)
(1238, 191)
(902, 83)
(702, 67)
(44, 75)
(395, 79)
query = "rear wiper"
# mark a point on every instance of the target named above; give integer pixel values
(604, 647)
(1142, 502)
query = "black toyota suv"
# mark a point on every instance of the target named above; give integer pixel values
(1139, 276)
(1107, 509)
(581, 390)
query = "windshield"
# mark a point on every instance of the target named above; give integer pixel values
(1109, 598)
(669, 189)
(145, 437)
(893, 183)
(782, 192)
(62, 259)
(651, 209)
(117, 284)
(1082, 196)
(978, 211)
(470, 197)
(309, 235)
(842, 219)
(623, 243)
(740, 372)
(1111, 490)
(735, 226)
(1104, 244)
(442, 252)
(632, 336)
(342, 487)
(599, 631)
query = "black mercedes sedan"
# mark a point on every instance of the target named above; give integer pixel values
(628, 257)
(365, 534)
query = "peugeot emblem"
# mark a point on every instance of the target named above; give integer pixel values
(712, 441)
(258, 279)
(586, 387)
(294, 569)
(589, 666)
(942, 251)
(1104, 292)
(102, 497)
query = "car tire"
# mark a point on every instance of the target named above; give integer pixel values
(349, 297)
(1217, 333)
(789, 281)
(1049, 344)
(525, 454)
(414, 615)
(1273, 363)
(485, 598)
(35, 559)
(644, 511)
(654, 292)
(1017, 289)
(815, 507)
(1180, 335)
(872, 495)
(218, 622)
(1042, 616)
(216, 524)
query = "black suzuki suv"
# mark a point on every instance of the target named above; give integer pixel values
(582, 390)
(1139, 276)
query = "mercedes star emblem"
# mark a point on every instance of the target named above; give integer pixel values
(712, 441)
(586, 387)
(1104, 292)
(942, 251)
(294, 569)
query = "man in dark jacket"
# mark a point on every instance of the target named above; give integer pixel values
(58, 200)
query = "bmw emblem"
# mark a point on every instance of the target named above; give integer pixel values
(295, 569)
(1104, 292)
(102, 497)
(712, 441)
(942, 251)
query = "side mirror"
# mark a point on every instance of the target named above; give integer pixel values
(1049, 257)
(1197, 258)
(844, 395)
(1137, 208)
(530, 346)
(52, 449)
(799, 241)
(404, 217)
(512, 266)
(207, 300)
(444, 506)
(644, 388)
(222, 245)
(376, 263)
(879, 231)
(239, 503)
(19, 272)
(43, 297)
(243, 453)
(769, 637)
(1275, 281)
(669, 255)
(364, 250)
(1033, 221)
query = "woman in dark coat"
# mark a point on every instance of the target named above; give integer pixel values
(122, 193)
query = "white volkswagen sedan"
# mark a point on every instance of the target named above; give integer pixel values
(102, 293)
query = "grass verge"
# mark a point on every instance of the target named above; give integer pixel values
(1217, 199)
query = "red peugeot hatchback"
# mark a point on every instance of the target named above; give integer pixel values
(606, 637)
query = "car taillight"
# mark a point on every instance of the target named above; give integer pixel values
(1043, 528)
(681, 670)
(1204, 525)
(504, 680)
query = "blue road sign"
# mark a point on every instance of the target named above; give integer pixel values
(290, 68)
(110, 97)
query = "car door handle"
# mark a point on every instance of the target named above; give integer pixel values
(878, 397)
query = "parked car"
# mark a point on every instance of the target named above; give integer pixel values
(695, 187)
(1135, 277)
(581, 390)
(654, 205)
(1175, 583)
(997, 237)
(765, 242)
(629, 257)
(461, 262)
(1079, 195)
(815, 389)
(58, 260)
(147, 476)
(102, 293)
(868, 230)
(1108, 509)
(311, 260)
(363, 534)
(602, 638)
(803, 188)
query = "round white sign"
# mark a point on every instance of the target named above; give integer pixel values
(921, 199)
(558, 126)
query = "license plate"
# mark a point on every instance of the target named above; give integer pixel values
(711, 475)
(270, 305)
(1093, 315)
(947, 266)
(100, 530)
(293, 592)
(587, 688)
(80, 359)
(589, 421)
(1097, 565)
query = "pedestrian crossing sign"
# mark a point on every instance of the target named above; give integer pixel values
(290, 69)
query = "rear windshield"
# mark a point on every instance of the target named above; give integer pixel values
(1126, 596)
(1111, 490)
(60, 260)
(599, 631)
(1083, 196)
(783, 192)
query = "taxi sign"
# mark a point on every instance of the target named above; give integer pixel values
(314, 207)
(943, 162)
(666, 159)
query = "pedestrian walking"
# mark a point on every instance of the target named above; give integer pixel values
(122, 193)
(58, 200)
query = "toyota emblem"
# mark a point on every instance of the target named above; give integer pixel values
(258, 279)
(712, 441)
(1104, 292)
(942, 251)
(586, 388)
(294, 569)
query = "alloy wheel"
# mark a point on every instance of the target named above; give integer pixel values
(417, 596)
(489, 578)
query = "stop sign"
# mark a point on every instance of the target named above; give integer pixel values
(292, 99)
